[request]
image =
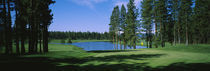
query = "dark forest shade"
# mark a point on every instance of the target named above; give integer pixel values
(32, 18)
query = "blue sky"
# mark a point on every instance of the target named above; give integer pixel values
(83, 15)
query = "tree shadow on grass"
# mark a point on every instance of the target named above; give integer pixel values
(106, 67)
(123, 57)
(107, 51)
(11, 63)
(181, 66)
(16, 63)
(26, 64)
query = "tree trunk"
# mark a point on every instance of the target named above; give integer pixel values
(147, 39)
(40, 44)
(120, 45)
(116, 41)
(156, 30)
(113, 41)
(150, 43)
(22, 44)
(174, 34)
(161, 35)
(9, 27)
(5, 27)
(150, 38)
(36, 37)
(156, 36)
(1, 37)
(29, 39)
(45, 39)
(33, 28)
(187, 33)
(134, 46)
(23, 36)
(206, 40)
(135, 38)
(124, 44)
(17, 31)
(179, 37)
(17, 42)
(40, 40)
(36, 44)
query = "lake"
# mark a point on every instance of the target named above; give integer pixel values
(90, 46)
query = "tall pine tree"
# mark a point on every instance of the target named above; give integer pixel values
(123, 25)
(146, 15)
(185, 16)
(131, 20)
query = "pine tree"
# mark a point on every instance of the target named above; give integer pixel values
(2, 42)
(131, 20)
(6, 15)
(123, 25)
(47, 17)
(17, 27)
(112, 27)
(201, 31)
(185, 14)
(24, 10)
(146, 14)
(154, 13)
(174, 12)
(161, 18)
(117, 23)
(170, 23)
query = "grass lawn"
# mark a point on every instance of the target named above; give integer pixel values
(71, 58)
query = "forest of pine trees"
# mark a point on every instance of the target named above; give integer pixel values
(172, 21)
(25, 22)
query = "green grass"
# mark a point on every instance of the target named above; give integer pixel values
(72, 58)
(63, 51)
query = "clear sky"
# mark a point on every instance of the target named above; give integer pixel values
(84, 15)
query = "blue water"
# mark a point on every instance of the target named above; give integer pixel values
(90, 46)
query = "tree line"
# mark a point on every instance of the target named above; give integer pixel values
(79, 35)
(173, 21)
(28, 26)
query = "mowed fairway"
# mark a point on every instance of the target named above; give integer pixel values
(71, 58)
